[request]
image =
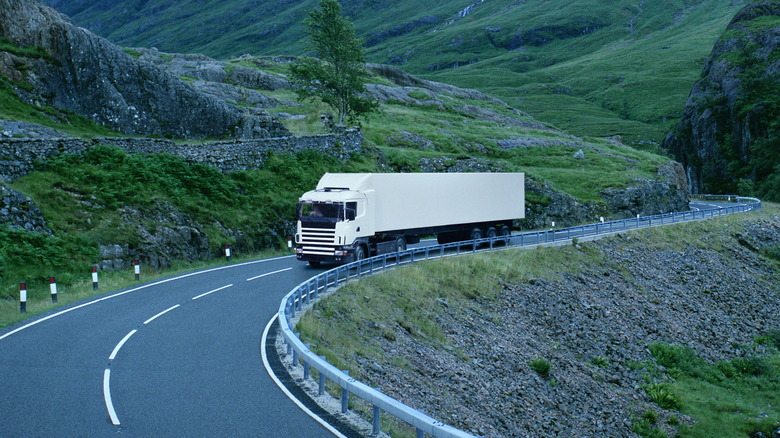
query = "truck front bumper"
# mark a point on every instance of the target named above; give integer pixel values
(339, 255)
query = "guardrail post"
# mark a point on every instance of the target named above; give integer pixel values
(344, 396)
(306, 366)
(377, 416)
(321, 389)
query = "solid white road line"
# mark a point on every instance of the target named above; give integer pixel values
(269, 273)
(160, 314)
(120, 344)
(281, 386)
(107, 397)
(211, 292)
(157, 283)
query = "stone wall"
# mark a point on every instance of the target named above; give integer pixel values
(18, 156)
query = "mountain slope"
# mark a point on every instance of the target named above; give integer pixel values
(729, 137)
(589, 67)
(50, 60)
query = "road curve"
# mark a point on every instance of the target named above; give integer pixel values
(178, 357)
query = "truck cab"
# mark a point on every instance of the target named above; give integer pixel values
(330, 222)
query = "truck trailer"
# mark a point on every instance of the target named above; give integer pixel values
(351, 216)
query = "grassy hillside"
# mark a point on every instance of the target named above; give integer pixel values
(589, 67)
(86, 200)
(613, 329)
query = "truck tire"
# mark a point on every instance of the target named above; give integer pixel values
(360, 253)
(505, 232)
(400, 244)
(476, 234)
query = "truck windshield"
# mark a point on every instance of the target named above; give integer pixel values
(321, 210)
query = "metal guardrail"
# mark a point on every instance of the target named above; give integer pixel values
(310, 290)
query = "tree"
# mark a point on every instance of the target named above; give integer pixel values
(337, 77)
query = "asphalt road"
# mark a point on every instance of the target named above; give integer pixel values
(176, 357)
(190, 364)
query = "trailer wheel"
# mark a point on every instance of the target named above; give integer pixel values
(476, 234)
(400, 244)
(505, 233)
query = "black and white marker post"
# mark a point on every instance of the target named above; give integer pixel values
(94, 278)
(23, 297)
(137, 267)
(227, 252)
(53, 287)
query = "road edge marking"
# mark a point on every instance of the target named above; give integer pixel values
(156, 283)
(284, 389)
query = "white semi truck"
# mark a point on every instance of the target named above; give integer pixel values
(351, 216)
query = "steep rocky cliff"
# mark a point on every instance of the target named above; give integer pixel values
(86, 74)
(729, 136)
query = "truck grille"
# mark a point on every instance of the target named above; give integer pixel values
(318, 241)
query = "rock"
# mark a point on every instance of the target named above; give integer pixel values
(18, 212)
(579, 155)
(86, 74)
(732, 109)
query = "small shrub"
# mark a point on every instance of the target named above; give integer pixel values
(541, 366)
(599, 361)
(752, 366)
(676, 357)
(646, 427)
(772, 338)
(663, 395)
(772, 252)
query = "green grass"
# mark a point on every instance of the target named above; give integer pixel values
(84, 198)
(75, 286)
(729, 398)
(594, 76)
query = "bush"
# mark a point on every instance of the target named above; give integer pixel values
(676, 357)
(663, 395)
(541, 366)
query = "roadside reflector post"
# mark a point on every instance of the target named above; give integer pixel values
(289, 243)
(227, 252)
(53, 287)
(137, 267)
(23, 297)
(94, 278)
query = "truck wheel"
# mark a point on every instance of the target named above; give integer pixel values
(476, 234)
(360, 253)
(505, 232)
(400, 244)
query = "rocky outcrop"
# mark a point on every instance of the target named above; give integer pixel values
(18, 212)
(88, 75)
(728, 135)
